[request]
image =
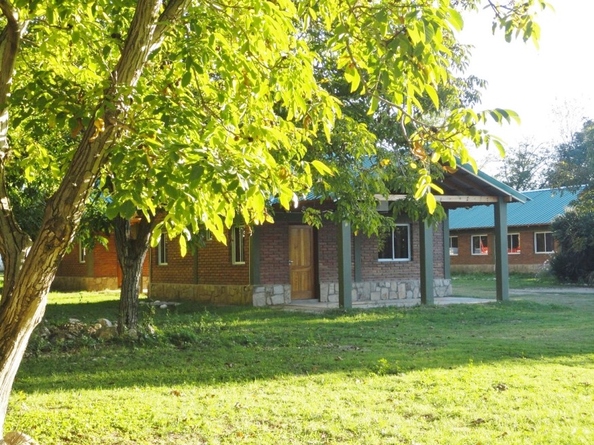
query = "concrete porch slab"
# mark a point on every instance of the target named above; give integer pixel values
(317, 305)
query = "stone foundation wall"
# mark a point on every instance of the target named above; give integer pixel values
(71, 284)
(216, 294)
(278, 294)
(386, 290)
(272, 294)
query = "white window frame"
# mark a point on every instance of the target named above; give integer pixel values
(162, 250)
(536, 251)
(237, 245)
(472, 245)
(452, 251)
(82, 253)
(510, 243)
(390, 239)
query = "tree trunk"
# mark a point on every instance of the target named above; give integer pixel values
(132, 244)
(31, 271)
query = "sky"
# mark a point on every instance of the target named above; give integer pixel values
(551, 87)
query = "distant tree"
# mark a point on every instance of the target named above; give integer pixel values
(524, 166)
(574, 259)
(573, 167)
(573, 161)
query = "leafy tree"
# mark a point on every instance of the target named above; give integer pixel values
(573, 165)
(574, 260)
(525, 166)
(203, 110)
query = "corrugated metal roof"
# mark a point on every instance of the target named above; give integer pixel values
(543, 206)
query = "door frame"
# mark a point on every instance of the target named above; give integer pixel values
(314, 259)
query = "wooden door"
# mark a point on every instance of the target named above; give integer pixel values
(301, 265)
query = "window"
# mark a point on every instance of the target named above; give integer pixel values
(453, 245)
(208, 235)
(237, 242)
(396, 246)
(82, 253)
(480, 245)
(543, 242)
(513, 243)
(162, 250)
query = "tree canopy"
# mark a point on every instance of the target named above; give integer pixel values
(573, 161)
(207, 109)
(526, 166)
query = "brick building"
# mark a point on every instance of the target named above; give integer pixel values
(530, 240)
(92, 269)
(294, 261)
(285, 261)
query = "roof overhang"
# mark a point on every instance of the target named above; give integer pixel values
(466, 188)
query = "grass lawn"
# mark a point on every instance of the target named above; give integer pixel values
(482, 285)
(514, 373)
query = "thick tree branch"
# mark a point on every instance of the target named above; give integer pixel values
(172, 12)
(23, 304)
(13, 241)
(8, 52)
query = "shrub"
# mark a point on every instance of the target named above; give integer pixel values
(574, 260)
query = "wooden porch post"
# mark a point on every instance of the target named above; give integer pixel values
(254, 255)
(447, 273)
(345, 285)
(357, 247)
(501, 260)
(426, 244)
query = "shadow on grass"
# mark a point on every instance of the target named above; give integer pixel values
(197, 345)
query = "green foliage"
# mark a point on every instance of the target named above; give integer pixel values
(574, 161)
(574, 260)
(230, 109)
(525, 166)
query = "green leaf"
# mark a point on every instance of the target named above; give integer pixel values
(432, 95)
(455, 19)
(431, 203)
(183, 246)
(322, 168)
(373, 105)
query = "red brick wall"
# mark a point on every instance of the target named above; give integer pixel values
(71, 267)
(101, 262)
(328, 253)
(214, 260)
(214, 264)
(527, 256)
(105, 260)
(438, 252)
(387, 270)
(177, 270)
(274, 253)
(274, 268)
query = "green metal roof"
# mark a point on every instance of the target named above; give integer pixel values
(541, 208)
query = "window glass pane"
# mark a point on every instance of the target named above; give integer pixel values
(453, 245)
(82, 253)
(396, 244)
(237, 239)
(513, 243)
(480, 245)
(386, 246)
(401, 242)
(544, 242)
(550, 247)
(162, 252)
